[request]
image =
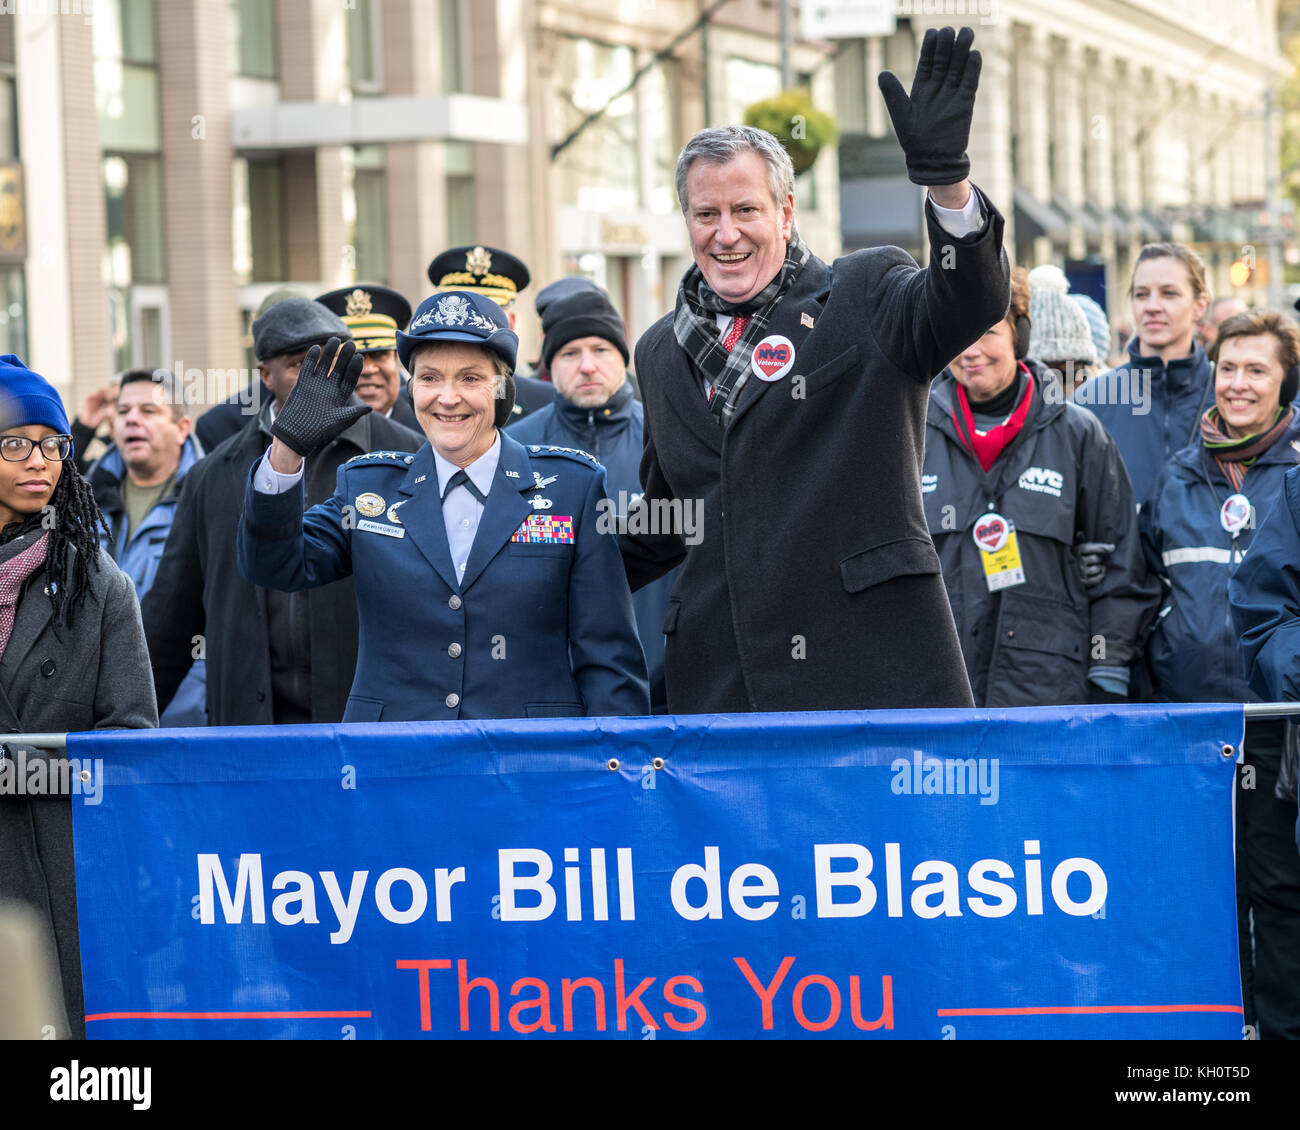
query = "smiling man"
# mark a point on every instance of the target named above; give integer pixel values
(374, 314)
(788, 397)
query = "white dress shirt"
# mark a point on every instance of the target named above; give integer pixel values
(461, 511)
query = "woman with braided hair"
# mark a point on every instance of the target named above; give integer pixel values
(65, 608)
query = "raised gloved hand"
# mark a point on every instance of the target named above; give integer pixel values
(317, 410)
(933, 125)
(1092, 557)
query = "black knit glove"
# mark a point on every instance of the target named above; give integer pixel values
(933, 125)
(317, 410)
(1092, 557)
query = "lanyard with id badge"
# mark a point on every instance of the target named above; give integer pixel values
(999, 551)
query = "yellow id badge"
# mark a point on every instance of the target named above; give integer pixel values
(999, 551)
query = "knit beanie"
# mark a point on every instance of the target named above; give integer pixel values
(1059, 329)
(28, 398)
(586, 314)
(1098, 326)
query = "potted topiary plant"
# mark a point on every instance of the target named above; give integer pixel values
(791, 118)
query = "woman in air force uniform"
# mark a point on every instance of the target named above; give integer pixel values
(487, 587)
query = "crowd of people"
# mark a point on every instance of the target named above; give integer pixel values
(906, 487)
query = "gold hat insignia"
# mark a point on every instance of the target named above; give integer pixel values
(359, 304)
(478, 261)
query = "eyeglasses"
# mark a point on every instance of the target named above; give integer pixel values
(14, 449)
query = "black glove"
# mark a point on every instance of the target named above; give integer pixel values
(1092, 557)
(933, 125)
(1099, 696)
(317, 410)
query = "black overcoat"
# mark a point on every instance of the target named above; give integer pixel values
(199, 591)
(813, 583)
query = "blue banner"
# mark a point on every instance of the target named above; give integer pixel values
(952, 874)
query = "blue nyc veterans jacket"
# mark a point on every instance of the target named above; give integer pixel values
(536, 628)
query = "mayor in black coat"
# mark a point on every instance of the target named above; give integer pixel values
(785, 401)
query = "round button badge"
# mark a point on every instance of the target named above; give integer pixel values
(991, 532)
(1235, 513)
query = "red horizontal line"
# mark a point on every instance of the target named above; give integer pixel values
(1074, 1010)
(226, 1016)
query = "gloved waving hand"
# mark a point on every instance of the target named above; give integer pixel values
(933, 124)
(318, 408)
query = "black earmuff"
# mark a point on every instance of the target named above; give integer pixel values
(1022, 336)
(1290, 386)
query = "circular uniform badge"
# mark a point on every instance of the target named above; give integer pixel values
(772, 358)
(370, 505)
(1235, 513)
(991, 532)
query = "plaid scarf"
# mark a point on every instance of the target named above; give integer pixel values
(696, 327)
(1234, 456)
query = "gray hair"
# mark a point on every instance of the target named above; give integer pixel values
(720, 145)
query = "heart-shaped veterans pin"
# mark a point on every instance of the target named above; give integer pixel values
(772, 358)
(991, 532)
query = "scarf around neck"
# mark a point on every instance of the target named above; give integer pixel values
(1234, 456)
(20, 557)
(696, 327)
(987, 447)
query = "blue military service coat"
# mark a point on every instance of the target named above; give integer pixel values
(540, 625)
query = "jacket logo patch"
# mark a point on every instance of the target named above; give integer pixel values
(929, 484)
(1042, 481)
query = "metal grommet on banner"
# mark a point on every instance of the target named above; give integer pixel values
(612, 765)
(84, 775)
(1228, 751)
(658, 763)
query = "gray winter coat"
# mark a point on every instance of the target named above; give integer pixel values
(92, 676)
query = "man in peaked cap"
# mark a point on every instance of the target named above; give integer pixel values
(374, 314)
(500, 276)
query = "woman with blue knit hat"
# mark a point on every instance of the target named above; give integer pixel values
(64, 609)
(489, 582)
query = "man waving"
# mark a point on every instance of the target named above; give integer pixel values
(788, 397)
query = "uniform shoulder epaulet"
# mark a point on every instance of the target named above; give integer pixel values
(388, 458)
(574, 453)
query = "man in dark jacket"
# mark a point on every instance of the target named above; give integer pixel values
(271, 657)
(585, 351)
(786, 399)
(137, 483)
(1013, 479)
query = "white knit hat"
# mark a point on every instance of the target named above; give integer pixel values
(1059, 329)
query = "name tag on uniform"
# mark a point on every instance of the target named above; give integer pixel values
(999, 551)
(381, 528)
(545, 529)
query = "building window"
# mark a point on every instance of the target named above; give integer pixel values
(462, 215)
(258, 220)
(253, 39)
(133, 199)
(599, 171)
(13, 310)
(365, 209)
(364, 72)
(749, 82)
(451, 24)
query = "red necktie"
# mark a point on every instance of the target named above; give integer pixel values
(738, 324)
